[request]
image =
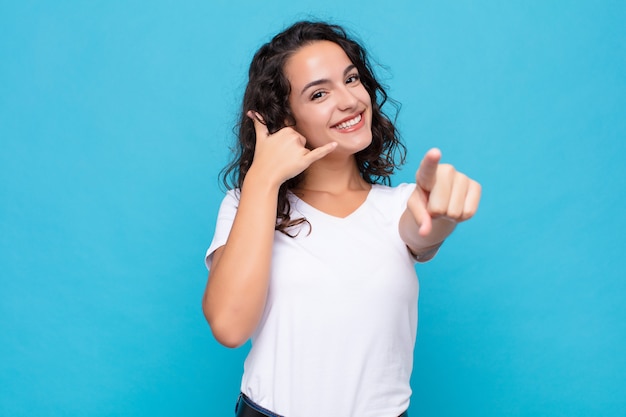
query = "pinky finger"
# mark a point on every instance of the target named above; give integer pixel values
(472, 200)
(318, 153)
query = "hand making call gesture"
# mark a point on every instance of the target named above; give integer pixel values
(282, 155)
(442, 198)
(236, 291)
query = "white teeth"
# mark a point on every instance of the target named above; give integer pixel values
(349, 123)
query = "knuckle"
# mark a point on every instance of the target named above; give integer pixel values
(446, 169)
(462, 178)
(437, 210)
(455, 213)
(468, 214)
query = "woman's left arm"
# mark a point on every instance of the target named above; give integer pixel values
(443, 197)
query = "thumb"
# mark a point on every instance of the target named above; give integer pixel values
(259, 124)
(417, 207)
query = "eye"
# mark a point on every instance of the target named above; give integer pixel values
(353, 78)
(318, 95)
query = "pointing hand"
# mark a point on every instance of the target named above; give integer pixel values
(441, 192)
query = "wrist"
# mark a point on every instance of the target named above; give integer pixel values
(258, 179)
(442, 227)
(428, 253)
(424, 247)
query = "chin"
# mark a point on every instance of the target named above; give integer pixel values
(354, 147)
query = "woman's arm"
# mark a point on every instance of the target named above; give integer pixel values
(443, 197)
(236, 290)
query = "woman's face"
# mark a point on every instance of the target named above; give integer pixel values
(327, 99)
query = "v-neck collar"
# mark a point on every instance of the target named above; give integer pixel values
(309, 208)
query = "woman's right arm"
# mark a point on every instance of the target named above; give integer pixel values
(238, 281)
(239, 277)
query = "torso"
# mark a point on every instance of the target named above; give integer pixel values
(338, 330)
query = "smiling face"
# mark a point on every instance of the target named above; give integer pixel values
(327, 99)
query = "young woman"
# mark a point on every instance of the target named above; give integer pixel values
(313, 255)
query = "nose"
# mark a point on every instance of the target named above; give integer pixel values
(346, 100)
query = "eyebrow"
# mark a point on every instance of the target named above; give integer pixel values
(326, 80)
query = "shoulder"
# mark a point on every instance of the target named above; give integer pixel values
(400, 192)
(230, 202)
(232, 195)
(391, 199)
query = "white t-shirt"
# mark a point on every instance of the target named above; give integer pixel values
(338, 331)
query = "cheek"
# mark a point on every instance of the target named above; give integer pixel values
(365, 97)
(312, 118)
(313, 128)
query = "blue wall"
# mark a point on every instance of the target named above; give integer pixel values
(115, 119)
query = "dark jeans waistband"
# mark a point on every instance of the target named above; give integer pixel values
(247, 408)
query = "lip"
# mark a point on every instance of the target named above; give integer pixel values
(353, 127)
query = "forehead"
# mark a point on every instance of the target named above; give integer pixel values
(317, 60)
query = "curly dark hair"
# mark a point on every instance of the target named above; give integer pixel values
(268, 91)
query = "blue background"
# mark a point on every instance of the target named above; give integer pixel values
(116, 117)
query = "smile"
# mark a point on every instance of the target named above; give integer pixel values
(349, 123)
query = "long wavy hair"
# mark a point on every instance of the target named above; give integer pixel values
(268, 91)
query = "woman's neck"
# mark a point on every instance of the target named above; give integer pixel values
(333, 177)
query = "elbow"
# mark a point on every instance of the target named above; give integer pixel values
(228, 336)
(225, 331)
(230, 343)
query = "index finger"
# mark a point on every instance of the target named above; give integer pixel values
(427, 172)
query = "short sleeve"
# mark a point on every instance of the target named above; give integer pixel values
(404, 192)
(225, 218)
